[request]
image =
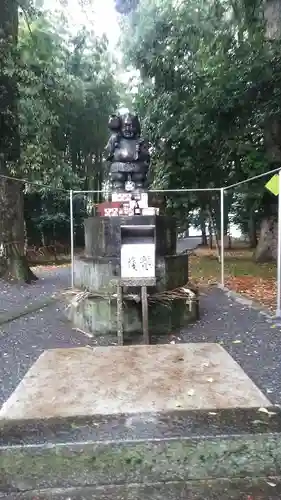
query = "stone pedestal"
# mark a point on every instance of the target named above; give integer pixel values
(98, 315)
(103, 234)
(99, 269)
(100, 274)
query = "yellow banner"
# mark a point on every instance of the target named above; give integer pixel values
(273, 185)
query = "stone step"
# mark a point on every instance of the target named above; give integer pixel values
(136, 415)
(151, 448)
(221, 489)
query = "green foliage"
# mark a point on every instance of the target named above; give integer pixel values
(210, 83)
(65, 91)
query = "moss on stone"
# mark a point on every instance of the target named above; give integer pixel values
(74, 465)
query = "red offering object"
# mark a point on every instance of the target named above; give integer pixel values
(114, 208)
(109, 208)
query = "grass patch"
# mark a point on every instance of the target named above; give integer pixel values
(204, 265)
(242, 274)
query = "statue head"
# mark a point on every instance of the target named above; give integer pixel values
(130, 126)
(127, 124)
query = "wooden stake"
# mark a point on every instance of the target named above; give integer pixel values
(144, 303)
(120, 330)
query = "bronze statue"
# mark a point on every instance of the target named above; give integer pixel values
(128, 153)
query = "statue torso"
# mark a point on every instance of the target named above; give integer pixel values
(130, 155)
(128, 158)
(126, 151)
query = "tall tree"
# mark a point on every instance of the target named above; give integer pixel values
(57, 92)
(210, 86)
(267, 245)
(12, 260)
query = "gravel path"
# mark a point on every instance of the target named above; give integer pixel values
(252, 339)
(51, 279)
(23, 340)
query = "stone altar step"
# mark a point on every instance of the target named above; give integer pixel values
(186, 448)
(137, 417)
(131, 379)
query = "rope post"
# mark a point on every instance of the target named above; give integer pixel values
(278, 277)
(222, 237)
(71, 236)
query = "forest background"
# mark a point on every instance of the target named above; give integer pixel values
(205, 79)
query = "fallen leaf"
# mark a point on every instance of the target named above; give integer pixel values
(74, 426)
(178, 358)
(265, 410)
(261, 290)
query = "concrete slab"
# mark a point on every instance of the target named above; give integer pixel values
(131, 379)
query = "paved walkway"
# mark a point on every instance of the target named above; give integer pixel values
(253, 340)
(18, 297)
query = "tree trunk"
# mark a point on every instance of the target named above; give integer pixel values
(13, 263)
(203, 228)
(267, 245)
(229, 239)
(272, 14)
(252, 231)
(210, 235)
(215, 232)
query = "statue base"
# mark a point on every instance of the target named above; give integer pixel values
(101, 274)
(107, 258)
(97, 316)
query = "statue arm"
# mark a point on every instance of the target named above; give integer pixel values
(144, 149)
(110, 147)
